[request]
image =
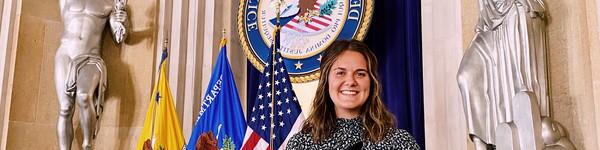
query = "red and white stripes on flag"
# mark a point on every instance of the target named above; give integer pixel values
(252, 140)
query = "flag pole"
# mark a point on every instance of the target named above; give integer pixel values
(166, 42)
(273, 52)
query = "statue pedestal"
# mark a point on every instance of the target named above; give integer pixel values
(528, 130)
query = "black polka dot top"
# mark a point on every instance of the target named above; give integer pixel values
(349, 134)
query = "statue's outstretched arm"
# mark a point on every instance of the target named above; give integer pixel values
(117, 21)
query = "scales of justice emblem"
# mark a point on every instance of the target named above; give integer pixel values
(307, 28)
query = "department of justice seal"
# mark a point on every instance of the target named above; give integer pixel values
(308, 27)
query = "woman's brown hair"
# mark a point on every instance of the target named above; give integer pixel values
(375, 117)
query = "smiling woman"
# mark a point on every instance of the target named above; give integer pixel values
(349, 84)
(347, 112)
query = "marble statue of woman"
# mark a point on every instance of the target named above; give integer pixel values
(506, 56)
(80, 72)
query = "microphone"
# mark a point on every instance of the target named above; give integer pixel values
(356, 146)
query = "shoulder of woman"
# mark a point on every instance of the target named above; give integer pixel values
(301, 136)
(400, 132)
(298, 140)
(401, 138)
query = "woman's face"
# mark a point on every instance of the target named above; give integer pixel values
(349, 83)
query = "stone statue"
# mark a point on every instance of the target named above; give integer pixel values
(80, 72)
(505, 67)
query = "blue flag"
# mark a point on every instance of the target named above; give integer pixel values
(220, 123)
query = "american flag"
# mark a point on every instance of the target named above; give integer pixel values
(277, 109)
(316, 24)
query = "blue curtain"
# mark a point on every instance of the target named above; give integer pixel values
(395, 37)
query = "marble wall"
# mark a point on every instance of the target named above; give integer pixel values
(445, 125)
(34, 108)
(573, 43)
(8, 26)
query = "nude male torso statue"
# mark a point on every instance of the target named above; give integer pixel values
(80, 73)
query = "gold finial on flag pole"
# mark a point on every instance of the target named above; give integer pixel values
(223, 38)
(165, 43)
(278, 11)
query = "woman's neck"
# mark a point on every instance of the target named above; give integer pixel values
(347, 115)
